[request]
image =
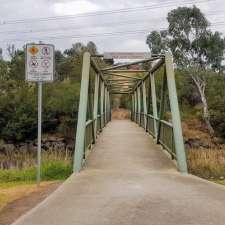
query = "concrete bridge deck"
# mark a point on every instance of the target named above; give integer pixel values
(128, 180)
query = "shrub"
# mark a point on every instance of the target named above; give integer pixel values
(207, 163)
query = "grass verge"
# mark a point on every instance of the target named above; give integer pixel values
(12, 191)
(207, 163)
(52, 170)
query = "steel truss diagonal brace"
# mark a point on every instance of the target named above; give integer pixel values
(82, 113)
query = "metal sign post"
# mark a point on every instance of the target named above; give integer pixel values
(39, 132)
(40, 66)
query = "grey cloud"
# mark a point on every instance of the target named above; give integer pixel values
(148, 19)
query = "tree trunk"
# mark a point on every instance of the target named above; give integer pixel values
(201, 85)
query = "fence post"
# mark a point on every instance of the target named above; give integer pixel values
(82, 113)
(177, 129)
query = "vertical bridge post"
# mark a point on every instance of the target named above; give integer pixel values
(135, 106)
(178, 137)
(82, 113)
(154, 103)
(102, 105)
(139, 105)
(144, 104)
(95, 113)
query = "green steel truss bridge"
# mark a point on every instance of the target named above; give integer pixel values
(95, 103)
(127, 179)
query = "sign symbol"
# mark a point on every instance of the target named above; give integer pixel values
(46, 51)
(33, 63)
(45, 64)
(33, 50)
(40, 62)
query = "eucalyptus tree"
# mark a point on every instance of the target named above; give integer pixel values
(195, 48)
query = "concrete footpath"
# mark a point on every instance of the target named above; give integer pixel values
(128, 180)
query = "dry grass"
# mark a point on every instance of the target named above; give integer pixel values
(21, 160)
(121, 114)
(207, 163)
(12, 191)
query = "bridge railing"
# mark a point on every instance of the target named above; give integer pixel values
(166, 136)
(151, 111)
(90, 132)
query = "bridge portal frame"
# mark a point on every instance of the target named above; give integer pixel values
(116, 80)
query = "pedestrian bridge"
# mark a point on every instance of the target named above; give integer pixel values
(130, 172)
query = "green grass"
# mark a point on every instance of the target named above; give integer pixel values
(53, 170)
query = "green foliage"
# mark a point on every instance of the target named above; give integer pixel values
(17, 66)
(17, 110)
(53, 170)
(157, 41)
(18, 99)
(215, 95)
(189, 39)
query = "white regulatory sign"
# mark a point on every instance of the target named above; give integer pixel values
(40, 62)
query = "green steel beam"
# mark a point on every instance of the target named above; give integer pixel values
(121, 80)
(119, 93)
(136, 105)
(153, 69)
(144, 103)
(120, 85)
(105, 96)
(130, 64)
(128, 71)
(91, 114)
(162, 107)
(121, 75)
(177, 129)
(96, 95)
(154, 102)
(132, 108)
(102, 104)
(139, 105)
(121, 88)
(82, 113)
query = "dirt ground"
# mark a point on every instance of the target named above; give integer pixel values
(14, 209)
(120, 114)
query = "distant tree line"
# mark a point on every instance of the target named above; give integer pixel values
(198, 55)
(18, 98)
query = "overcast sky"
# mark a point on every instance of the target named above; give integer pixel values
(124, 31)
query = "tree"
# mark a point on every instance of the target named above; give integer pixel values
(16, 66)
(195, 48)
(92, 48)
(3, 70)
(157, 41)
